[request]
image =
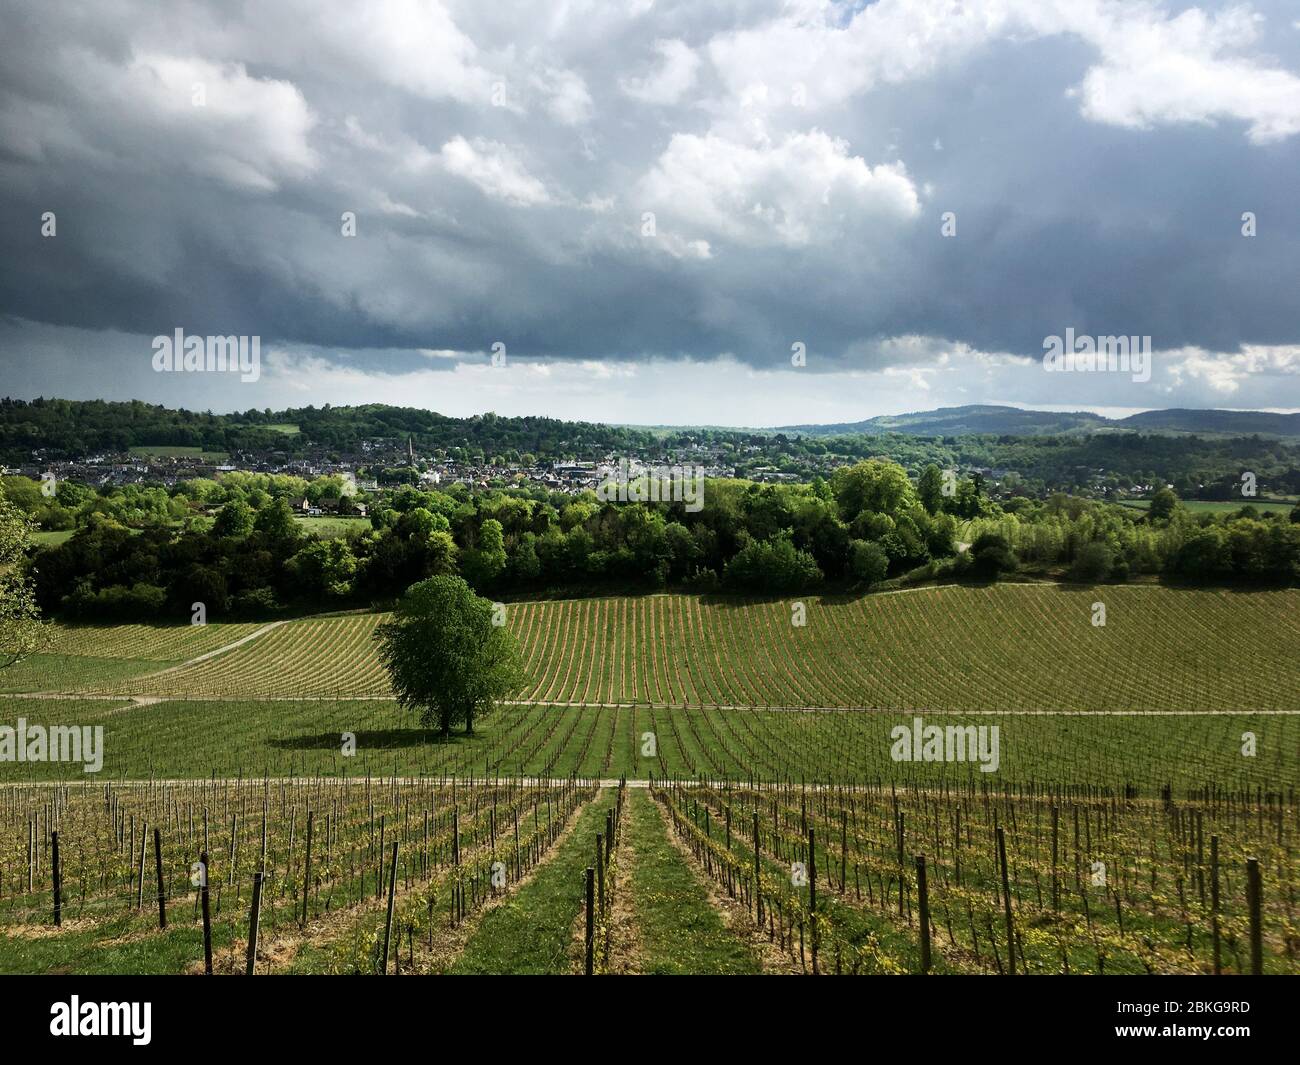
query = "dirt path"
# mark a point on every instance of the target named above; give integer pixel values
(210, 654)
(149, 700)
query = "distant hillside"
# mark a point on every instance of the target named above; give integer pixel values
(1237, 422)
(989, 419)
(57, 429)
(70, 428)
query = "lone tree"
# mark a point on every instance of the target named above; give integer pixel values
(20, 628)
(445, 655)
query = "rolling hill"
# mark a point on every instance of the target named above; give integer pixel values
(999, 420)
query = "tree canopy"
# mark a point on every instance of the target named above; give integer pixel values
(448, 653)
(20, 632)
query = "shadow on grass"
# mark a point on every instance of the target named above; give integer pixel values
(392, 739)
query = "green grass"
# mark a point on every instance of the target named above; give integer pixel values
(49, 538)
(91, 658)
(128, 944)
(176, 739)
(164, 451)
(72, 673)
(1219, 506)
(331, 526)
(680, 931)
(532, 932)
(289, 429)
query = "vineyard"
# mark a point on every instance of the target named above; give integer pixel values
(316, 861)
(966, 880)
(375, 874)
(687, 785)
(173, 740)
(1019, 647)
(97, 656)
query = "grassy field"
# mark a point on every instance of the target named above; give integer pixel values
(728, 689)
(166, 451)
(49, 538)
(329, 527)
(88, 657)
(1220, 506)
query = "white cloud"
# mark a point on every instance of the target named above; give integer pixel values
(1225, 373)
(218, 120)
(494, 169)
(915, 375)
(1181, 71)
(673, 78)
(790, 193)
(412, 44)
(1154, 68)
(811, 44)
(567, 98)
(394, 207)
(398, 151)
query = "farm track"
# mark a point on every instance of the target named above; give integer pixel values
(153, 700)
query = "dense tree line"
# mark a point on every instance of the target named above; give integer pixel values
(1095, 541)
(235, 546)
(69, 429)
(19, 618)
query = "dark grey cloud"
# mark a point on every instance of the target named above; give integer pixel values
(1091, 188)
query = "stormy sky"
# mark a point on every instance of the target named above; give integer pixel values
(648, 207)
